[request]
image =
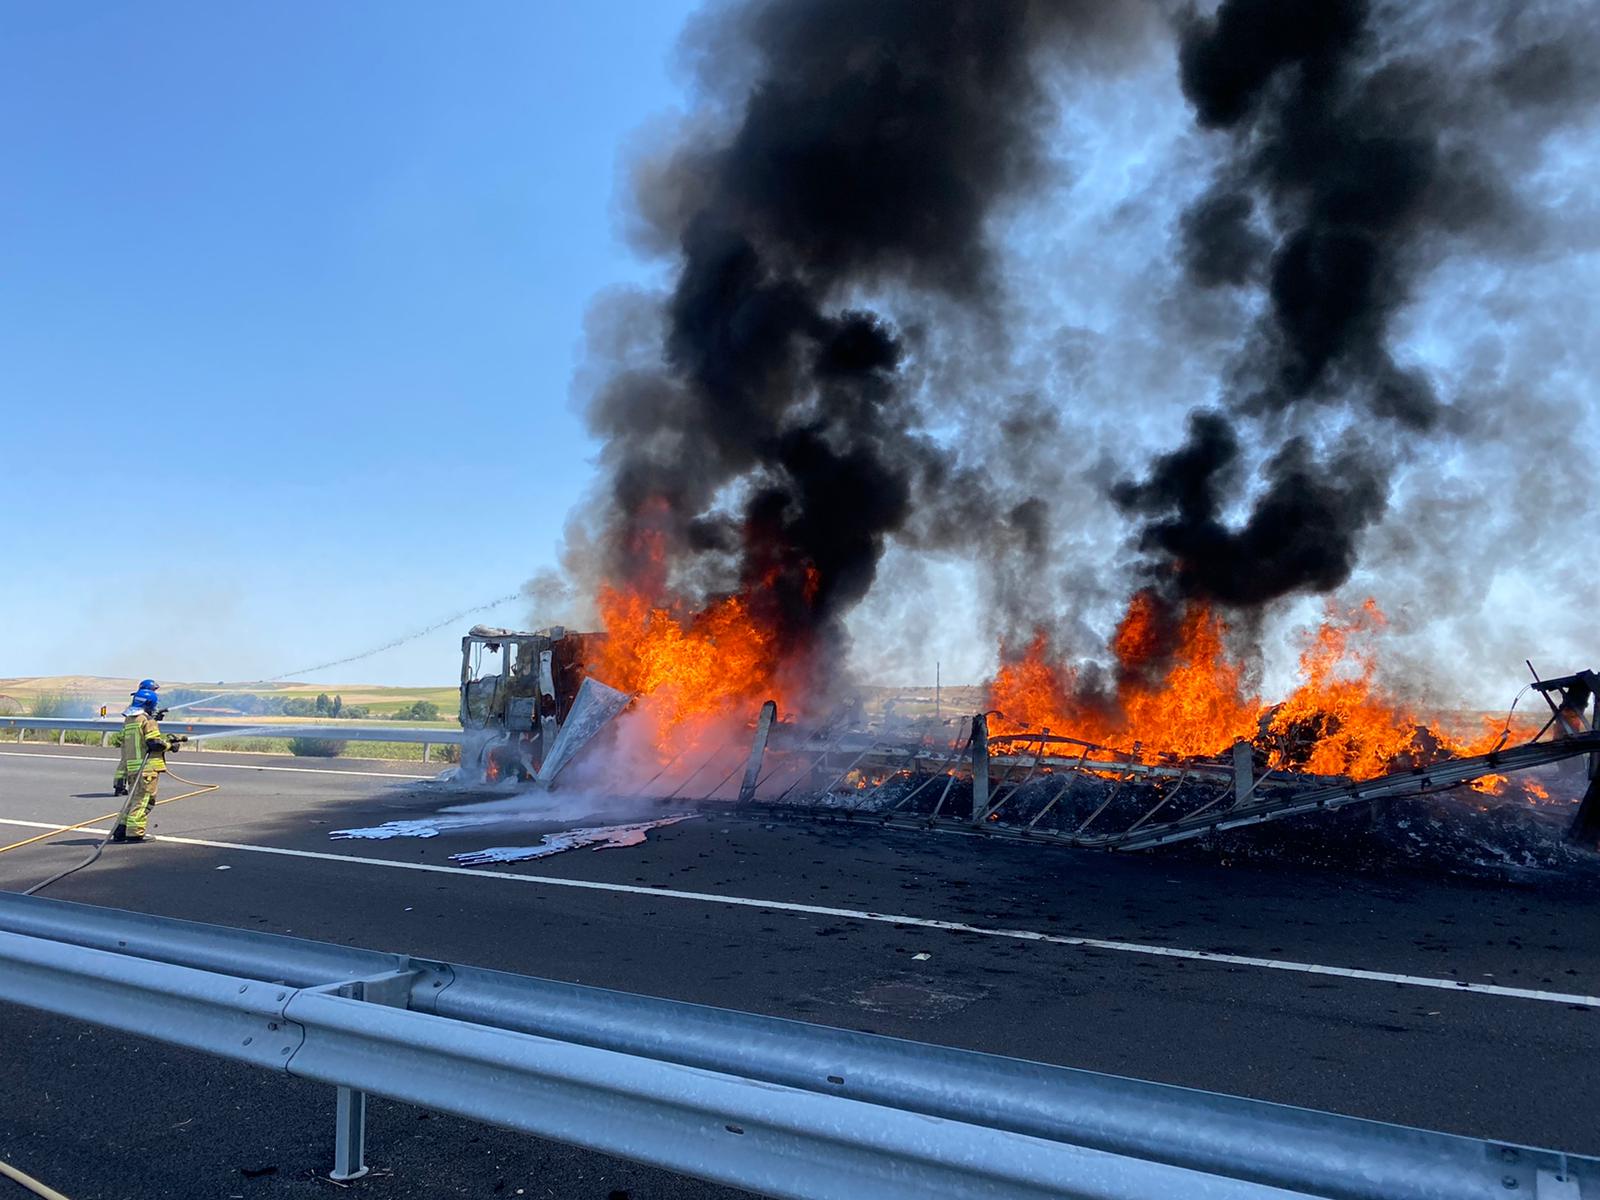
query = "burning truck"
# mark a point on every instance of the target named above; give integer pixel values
(517, 691)
(534, 701)
(1234, 390)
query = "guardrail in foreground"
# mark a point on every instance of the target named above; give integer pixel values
(774, 1106)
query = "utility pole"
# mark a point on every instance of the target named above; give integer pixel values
(938, 713)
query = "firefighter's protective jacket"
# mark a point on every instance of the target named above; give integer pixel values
(143, 747)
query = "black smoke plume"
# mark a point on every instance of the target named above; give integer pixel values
(1300, 534)
(1362, 145)
(765, 423)
(851, 149)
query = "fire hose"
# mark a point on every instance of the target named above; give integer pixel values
(199, 789)
(24, 1180)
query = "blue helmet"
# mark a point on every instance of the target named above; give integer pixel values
(144, 698)
(147, 685)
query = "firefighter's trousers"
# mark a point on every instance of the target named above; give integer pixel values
(137, 807)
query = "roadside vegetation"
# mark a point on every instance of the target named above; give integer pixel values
(60, 704)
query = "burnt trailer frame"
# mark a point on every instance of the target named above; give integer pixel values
(1231, 792)
(1568, 698)
(519, 711)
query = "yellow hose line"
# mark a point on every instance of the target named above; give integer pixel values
(28, 1181)
(204, 787)
(50, 833)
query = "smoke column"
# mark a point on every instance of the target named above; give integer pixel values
(842, 149)
(828, 211)
(1364, 144)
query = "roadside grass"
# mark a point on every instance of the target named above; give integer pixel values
(240, 745)
(65, 737)
(332, 725)
(388, 751)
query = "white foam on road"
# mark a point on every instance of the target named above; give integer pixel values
(420, 827)
(600, 837)
(1026, 935)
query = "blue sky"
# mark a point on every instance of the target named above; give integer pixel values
(292, 297)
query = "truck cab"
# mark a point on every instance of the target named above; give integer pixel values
(517, 688)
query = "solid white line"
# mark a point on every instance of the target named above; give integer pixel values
(190, 764)
(1027, 935)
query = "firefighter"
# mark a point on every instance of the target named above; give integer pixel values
(146, 748)
(130, 719)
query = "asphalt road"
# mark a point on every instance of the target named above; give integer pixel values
(101, 1114)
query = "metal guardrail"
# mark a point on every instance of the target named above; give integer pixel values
(775, 1106)
(106, 726)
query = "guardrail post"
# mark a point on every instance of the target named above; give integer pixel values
(61, 738)
(349, 1119)
(350, 1105)
(1243, 771)
(758, 748)
(105, 736)
(349, 1136)
(980, 768)
(427, 749)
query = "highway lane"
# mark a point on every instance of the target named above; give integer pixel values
(672, 917)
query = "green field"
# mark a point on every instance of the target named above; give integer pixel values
(383, 701)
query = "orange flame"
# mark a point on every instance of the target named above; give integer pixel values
(1356, 732)
(694, 668)
(1197, 707)
(1335, 722)
(691, 669)
(1200, 706)
(1178, 691)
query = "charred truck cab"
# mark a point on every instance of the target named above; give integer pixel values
(516, 691)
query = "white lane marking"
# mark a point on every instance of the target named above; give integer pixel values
(1026, 935)
(191, 764)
